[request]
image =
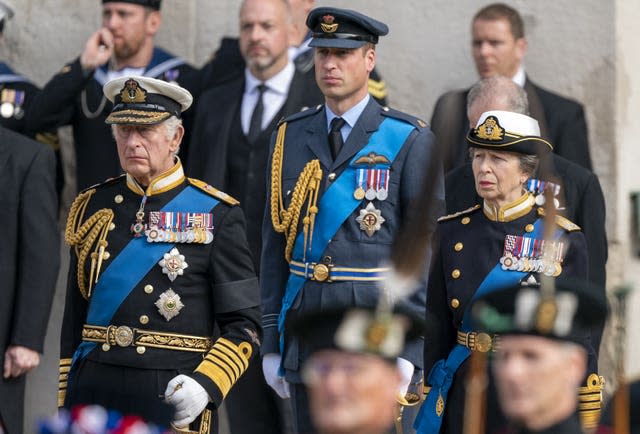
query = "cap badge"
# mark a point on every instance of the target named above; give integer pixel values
(327, 25)
(490, 129)
(132, 92)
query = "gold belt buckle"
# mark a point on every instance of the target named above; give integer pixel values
(123, 336)
(322, 272)
(483, 342)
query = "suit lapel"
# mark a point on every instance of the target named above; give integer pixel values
(536, 109)
(367, 123)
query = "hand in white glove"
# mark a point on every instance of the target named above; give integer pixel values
(188, 397)
(406, 373)
(270, 367)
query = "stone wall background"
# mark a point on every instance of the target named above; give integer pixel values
(578, 48)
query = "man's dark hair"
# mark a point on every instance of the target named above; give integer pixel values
(500, 11)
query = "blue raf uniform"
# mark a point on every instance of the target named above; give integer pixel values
(330, 221)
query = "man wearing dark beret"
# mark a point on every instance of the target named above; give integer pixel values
(124, 45)
(541, 359)
(343, 177)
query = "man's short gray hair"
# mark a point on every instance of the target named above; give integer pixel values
(510, 96)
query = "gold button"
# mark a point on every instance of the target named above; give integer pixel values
(106, 255)
(141, 350)
(529, 228)
(455, 273)
(106, 347)
(112, 226)
(144, 319)
(148, 289)
(118, 198)
(465, 220)
(458, 247)
(455, 303)
(331, 176)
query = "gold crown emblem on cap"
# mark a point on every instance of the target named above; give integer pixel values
(490, 129)
(133, 92)
(327, 25)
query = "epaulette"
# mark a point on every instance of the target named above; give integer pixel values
(458, 214)
(392, 113)
(212, 191)
(562, 221)
(104, 183)
(377, 89)
(301, 114)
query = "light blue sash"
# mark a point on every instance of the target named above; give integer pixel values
(130, 266)
(441, 375)
(337, 204)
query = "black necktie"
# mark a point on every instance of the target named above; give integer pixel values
(335, 136)
(255, 125)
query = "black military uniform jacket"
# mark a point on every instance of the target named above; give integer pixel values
(218, 289)
(562, 122)
(570, 425)
(469, 244)
(29, 256)
(581, 201)
(306, 140)
(217, 139)
(73, 97)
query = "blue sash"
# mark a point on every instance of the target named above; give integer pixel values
(7, 75)
(441, 375)
(161, 62)
(135, 260)
(337, 204)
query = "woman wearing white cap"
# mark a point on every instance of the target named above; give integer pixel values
(498, 242)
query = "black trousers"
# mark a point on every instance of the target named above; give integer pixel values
(127, 390)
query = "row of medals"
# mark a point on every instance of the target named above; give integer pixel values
(375, 190)
(156, 234)
(531, 265)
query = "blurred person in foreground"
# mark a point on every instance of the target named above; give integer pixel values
(540, 359)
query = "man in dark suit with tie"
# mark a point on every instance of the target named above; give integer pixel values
(229, 149)
(29, 260)
(342, 179)
(499, 47)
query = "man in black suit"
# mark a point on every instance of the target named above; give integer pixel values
(581, 196)
(228, 62)
(230, 149)
(29, 260)
(499, 46)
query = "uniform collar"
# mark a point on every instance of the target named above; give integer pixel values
(164, 182)
(510, 212)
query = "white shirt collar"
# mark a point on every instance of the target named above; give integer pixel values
(520, 76)
(279, 83)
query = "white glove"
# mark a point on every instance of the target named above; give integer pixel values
(188, 397)
(406, 373)
(270, 368)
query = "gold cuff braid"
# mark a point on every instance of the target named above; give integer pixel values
(84, 236)
(306, 190)
(225, 363)
(590, 401)
(65, 367)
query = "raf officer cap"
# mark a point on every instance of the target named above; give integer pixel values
(144, 100)
(560, 308)
(343, 28)
(153, 4)
(507, 131)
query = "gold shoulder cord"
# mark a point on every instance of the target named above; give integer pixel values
(84, 236)
(306, 190)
